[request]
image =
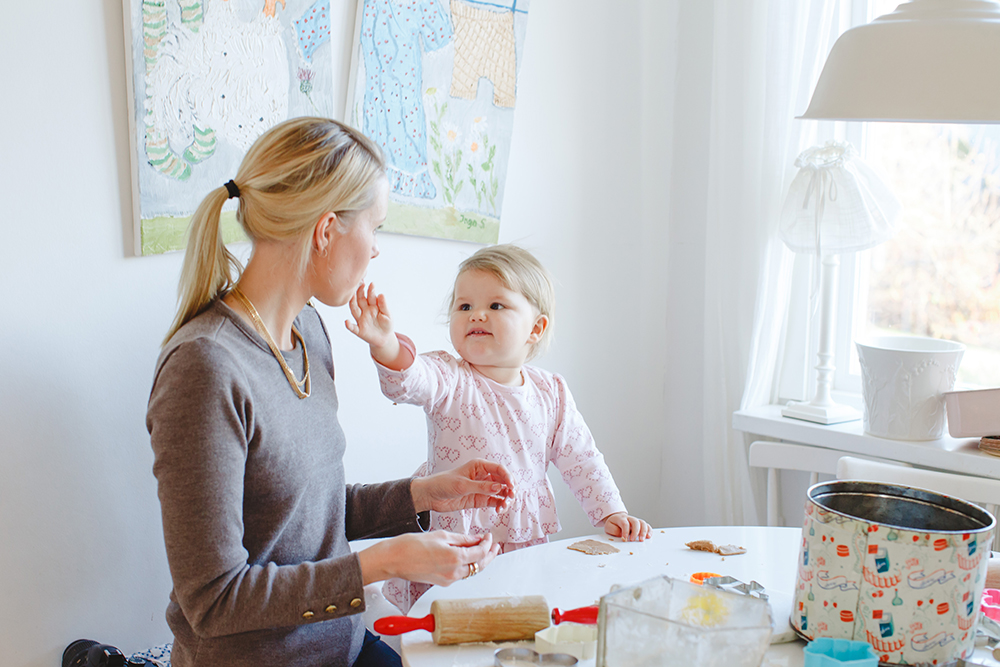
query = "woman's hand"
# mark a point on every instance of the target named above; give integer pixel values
(438, 557)
(629, 528)
(477, 483)
(373, 324)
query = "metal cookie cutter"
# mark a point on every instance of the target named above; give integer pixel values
(505, 657)
(733, 585)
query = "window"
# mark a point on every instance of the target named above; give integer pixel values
(939, 276)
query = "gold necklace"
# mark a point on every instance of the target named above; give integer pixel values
(300, 387)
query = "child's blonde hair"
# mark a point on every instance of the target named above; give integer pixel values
(518, 270)
(293, 174)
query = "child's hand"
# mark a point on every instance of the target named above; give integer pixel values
(629, 528)
(372, 323)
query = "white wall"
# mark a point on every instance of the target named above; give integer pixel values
(593, 166)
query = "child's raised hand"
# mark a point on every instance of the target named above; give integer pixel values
(629, 528)
(372, 322)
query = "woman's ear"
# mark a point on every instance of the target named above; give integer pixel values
(323, 233)
(541, 324)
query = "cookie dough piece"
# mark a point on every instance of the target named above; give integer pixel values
(593, 547)
(729, 550)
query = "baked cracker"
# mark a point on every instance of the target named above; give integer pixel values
(701, 545)
(722, 550)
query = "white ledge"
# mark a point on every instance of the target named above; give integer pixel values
(960, 455)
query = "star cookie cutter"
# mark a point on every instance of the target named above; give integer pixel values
(753, 589)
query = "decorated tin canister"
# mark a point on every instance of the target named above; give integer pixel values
(896, 566)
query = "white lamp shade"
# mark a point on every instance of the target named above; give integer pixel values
(836, 203)
(927, 61)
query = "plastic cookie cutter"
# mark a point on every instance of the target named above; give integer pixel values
(990, 603)
(753, 589)
(826, 652)
(509, 657)
(700, 577)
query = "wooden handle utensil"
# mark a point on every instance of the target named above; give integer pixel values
(586, 615)
(475, 620)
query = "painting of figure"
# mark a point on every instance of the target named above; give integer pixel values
(435, 85)
(208, 77)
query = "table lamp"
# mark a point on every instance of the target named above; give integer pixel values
(835, 204)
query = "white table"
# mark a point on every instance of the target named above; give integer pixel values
(570, 579)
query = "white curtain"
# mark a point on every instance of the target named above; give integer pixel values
(767, 55)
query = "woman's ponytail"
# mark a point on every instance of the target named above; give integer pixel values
(209, 268)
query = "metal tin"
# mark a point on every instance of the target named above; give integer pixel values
(899, 567)
(518, 656)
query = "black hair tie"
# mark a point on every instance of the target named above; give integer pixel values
(232, 188)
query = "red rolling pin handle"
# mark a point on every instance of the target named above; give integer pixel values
(580, 615)
(397, 625)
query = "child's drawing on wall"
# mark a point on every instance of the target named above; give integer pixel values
(208, 77)
(435, 85)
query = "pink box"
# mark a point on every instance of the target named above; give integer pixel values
(973, 413)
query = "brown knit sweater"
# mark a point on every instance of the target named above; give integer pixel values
(256, 512)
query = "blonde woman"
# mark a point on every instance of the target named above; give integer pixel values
(243, 422)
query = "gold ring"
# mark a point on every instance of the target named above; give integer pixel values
(473, 570)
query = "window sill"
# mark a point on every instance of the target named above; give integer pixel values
(959, 455)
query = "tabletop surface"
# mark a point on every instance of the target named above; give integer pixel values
(569, 579)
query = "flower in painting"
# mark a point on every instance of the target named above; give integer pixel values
(305, 80)
(480, 125)
(451, 134)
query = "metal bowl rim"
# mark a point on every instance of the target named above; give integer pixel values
(886, 489)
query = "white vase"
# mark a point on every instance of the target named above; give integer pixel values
(903, 380)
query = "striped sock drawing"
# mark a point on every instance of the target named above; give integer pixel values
(202, 147)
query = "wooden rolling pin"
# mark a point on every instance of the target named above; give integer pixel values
(475, 620)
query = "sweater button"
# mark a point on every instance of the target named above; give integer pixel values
(356, 602)
(307, 615)
(331, 608)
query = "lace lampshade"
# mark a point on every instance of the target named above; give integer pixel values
(836, 203)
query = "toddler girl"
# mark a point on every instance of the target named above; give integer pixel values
(488, 404)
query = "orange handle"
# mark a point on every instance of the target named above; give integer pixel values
(397, 625)
(580, 615)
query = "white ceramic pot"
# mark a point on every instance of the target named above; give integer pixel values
(903, 380)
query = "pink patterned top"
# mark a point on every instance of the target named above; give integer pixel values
(524, 428)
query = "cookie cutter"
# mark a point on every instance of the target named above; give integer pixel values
(505, 657)
(827, 652)
(733, 585)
